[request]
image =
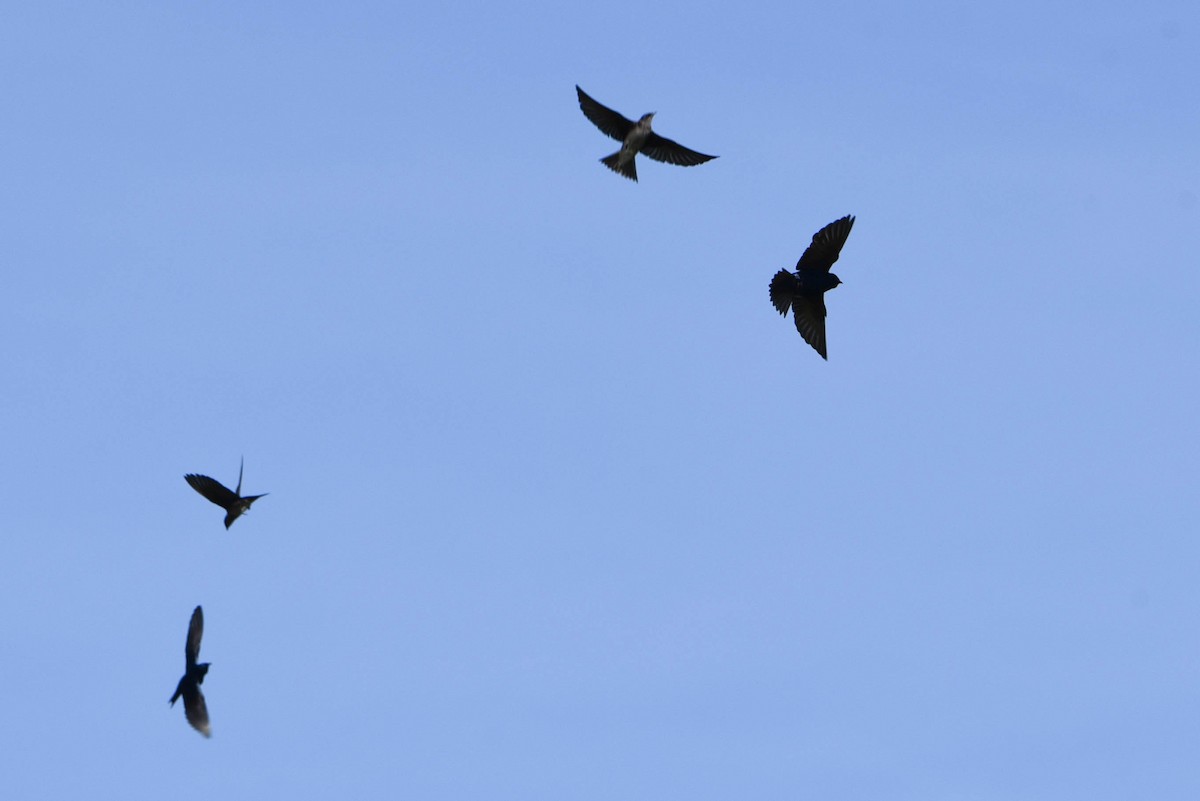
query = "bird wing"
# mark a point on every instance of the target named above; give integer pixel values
(604, 118)
(670, 152)
(191, 649)
(212, 489)
(809, 315)
(826, 245)
(196, 710)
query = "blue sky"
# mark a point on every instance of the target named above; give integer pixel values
(559, 507)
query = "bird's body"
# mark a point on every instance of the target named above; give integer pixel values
(194, 707)
(230, 500)
(622, 161)
(635, 137)
(804, 290)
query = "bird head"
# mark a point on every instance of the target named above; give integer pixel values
(201, 671)
(648, 118)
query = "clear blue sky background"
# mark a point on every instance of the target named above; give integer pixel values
(559, 507)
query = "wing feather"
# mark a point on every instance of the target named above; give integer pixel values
(212, 489)
(610, 122)
(826, 245)
(809, 316)
(196, 710)
(191, 649)
(669, 151)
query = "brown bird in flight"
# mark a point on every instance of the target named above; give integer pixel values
(194, 708)
(635, 137)
(230, 500)
(804, 290)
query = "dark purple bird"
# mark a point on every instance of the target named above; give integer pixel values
(804, 290)
(230, 500)
(194, 708)
(635, 137)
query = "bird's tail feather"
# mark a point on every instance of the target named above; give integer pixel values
(782, 289)
(613, 162)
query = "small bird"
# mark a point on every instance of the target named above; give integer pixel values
(804, 291)
(194, 707)
(232, 502)
(635, 137)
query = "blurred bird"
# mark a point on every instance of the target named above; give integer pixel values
(804, 291)
(194, 707)
(231, 501)
(635, 137)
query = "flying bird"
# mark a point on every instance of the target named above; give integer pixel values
(804, 290)
(231, 501)
(635, 137)
(194, 708)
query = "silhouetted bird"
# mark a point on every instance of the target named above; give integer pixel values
(635, 137)
(194, 707)
(232, 502)
(804, 291)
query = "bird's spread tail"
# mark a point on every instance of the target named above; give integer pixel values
(782, 290)
(613, 162)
